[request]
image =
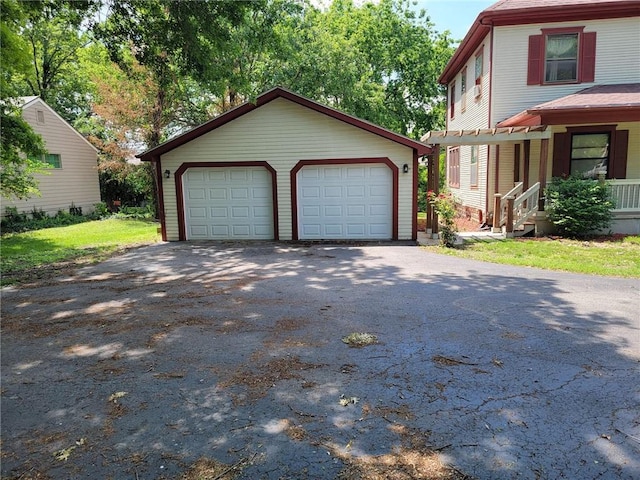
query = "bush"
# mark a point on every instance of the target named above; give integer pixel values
(138, 213)
(445, 206)
(578, 207)
(15, 222)
(101, 210)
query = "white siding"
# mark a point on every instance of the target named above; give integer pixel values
(476, 115)
(617, 61)
(76, 182)
(282, 133)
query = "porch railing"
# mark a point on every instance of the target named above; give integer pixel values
(626, 194)
(514, 208)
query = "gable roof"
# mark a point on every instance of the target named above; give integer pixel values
(267, 97)
(601, 103)
(25, 102)
(523, 12)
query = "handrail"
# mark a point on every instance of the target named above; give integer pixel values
(511, 212)
(525, 205)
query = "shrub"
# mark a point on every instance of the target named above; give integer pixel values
(445, 206)
(578, 207)
(38, 214)
(138, 213)
(100, 210)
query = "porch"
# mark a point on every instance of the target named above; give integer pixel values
(519, 213)
(521, 209)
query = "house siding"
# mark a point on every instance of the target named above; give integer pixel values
(282, 133)
(616, 44)
(476, 115)
(76, 182)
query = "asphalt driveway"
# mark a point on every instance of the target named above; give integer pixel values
(149, 363)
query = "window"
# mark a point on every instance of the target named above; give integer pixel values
(463, 90)
(590, 150)
(561, 58)
(454, 167)
(53, 159)
(452, 100)
(479, 66)
(473, 174)
(561, 55)
(589, 154)
(40, 116)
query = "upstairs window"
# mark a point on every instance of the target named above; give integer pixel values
(463, 90)
(561, 55)
(561, 58)
(479, 66)
(452, 100)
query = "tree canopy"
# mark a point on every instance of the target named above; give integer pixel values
(130, 74)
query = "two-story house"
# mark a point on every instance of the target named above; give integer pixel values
(539, 89)
(72, 176)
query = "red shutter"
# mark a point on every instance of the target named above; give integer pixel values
(588, 57)
(618, 164)
(534, 68)
(561, 155)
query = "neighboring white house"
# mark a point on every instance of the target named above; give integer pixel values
(73, 176)
(544, 88)
(287, 168)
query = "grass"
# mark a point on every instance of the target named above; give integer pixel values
(609, 256)
(23, 253)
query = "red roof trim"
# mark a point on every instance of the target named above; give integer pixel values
(537, 14)
(267, 97)
(574, 115)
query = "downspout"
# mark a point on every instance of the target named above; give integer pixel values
(487, 201)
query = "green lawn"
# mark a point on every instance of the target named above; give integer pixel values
(619, 257)
(21, 253)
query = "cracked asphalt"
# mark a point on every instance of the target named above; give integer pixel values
(140, 365)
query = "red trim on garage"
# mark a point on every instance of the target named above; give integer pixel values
(344, 161)
(160, 206)
(414, 207)
(182, 235)
(268, 97)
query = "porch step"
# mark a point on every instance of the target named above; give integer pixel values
(524, 230)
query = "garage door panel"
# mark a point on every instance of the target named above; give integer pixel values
(332, 191)
(334, 230)
(221, 231)
(217, 193)
(238, 203)
(356, 230)
(197, 193)
(219, 212)
(200, 212)
(356, 210)
(333, 211)
(195, 176)
(345, 201)
(356, 172)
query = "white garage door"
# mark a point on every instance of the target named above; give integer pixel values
(345, 202)
(228, 203)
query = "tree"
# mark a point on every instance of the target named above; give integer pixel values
(56, 30)
(379, 62)
(20, 146)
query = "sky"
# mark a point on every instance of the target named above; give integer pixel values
(453, 15)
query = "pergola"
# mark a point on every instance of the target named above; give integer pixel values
(487, 136)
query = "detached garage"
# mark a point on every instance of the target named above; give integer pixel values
(287, 168)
